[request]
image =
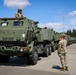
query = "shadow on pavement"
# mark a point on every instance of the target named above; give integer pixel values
(15, 61)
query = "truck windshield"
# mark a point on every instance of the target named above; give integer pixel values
(4, 24)
(18, 23)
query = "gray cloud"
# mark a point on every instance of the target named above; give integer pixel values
(16, 3)
(73, 13)
(73, 21)
(50, 25)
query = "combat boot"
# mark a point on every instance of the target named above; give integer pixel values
(62, 69)
(66, 68)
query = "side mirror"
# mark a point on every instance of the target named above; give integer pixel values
(36, 31)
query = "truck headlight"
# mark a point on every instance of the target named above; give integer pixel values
(23, 35)
(21, 50)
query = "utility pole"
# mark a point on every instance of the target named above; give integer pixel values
(63, 23)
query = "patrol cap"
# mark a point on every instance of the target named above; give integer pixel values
(63, 35)
(19, 8)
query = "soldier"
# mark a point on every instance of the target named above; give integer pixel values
(19, 13)
(62, 52)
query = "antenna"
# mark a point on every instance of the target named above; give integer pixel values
(63, 23)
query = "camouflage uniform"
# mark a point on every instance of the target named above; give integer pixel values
(62, 53)
(19, 14)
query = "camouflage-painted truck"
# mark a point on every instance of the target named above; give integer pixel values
(22, 37)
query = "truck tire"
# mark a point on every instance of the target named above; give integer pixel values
(56, 46)
(33, 58)
(53, 48)
(46, 51)
(4, 59)
(50, 49)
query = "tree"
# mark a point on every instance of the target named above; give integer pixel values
(69, 32)
(72, 33)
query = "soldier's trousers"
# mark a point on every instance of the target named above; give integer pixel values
(63, 59)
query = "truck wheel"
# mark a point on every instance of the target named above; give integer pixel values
(4, 59)
(46, 51)
(56, 46)
(53, 48)
(49, 49)
(33, 58)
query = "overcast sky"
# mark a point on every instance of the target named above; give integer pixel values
(56, 14)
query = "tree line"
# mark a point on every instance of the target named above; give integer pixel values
(72, 33)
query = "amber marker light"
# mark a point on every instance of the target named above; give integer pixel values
(24, 49)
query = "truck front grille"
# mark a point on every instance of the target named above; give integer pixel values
(8, 38)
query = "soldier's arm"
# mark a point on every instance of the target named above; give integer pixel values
(59, 48)
(16, 15)
(60, 44)
(22, 16)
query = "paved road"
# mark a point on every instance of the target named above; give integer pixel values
(45, 66)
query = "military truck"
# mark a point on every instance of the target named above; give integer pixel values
(56, 39)
(72, 40)
(22, 37)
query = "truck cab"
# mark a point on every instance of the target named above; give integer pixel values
(17, 36)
